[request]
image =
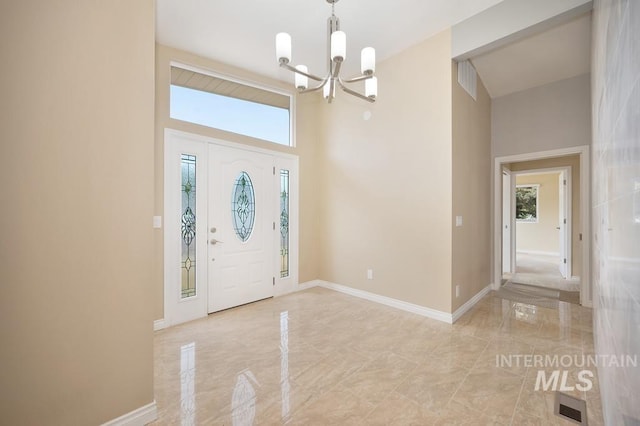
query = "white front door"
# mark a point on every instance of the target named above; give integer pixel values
(242, 214)
(230, 226)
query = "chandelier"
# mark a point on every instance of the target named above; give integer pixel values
(337, 49)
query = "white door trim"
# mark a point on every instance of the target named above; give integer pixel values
(586, 295)
(566, 171)
(282, 160)
(565, 215)
(208, 139)
(508, 215)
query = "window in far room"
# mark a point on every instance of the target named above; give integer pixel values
(231, 106)
(527, 203)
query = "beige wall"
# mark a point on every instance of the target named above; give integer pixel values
(553, 116)
(541, 236)
(77, 171)
(386, 181)
(306, 140)
(574, 162)
(470, 267)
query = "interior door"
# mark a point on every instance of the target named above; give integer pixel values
(506, 221)
(242, 210)
(562, 222)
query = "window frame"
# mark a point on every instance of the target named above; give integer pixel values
(537, 188)
(248, 83)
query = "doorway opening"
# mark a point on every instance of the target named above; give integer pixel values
(540, 218)
(543, 228)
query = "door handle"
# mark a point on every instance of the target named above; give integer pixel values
(214, 241)
(558, 228)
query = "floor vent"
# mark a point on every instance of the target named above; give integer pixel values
(570, 408)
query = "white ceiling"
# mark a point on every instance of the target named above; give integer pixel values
(242, 32)
(561, 52)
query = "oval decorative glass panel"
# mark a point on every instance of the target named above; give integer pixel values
(243, 206)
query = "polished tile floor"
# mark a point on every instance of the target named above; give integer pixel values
(320, 357)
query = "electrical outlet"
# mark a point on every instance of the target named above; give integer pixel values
(458, 220)
(369, 274)
(457, 291)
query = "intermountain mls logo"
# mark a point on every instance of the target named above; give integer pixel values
(559, 378)
(545, 383)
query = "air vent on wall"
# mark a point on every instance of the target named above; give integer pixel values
(467, 78)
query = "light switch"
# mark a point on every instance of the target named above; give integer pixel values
(458, 220)
(157, 222)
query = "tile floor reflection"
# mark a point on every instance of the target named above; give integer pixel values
(322, 357)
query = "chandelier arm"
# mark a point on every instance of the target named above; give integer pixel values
(354, 93)
(297, 71)
(336, 50)
(316, 88)
(358, 78)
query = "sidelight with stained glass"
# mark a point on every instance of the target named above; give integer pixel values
(284, 223)
(188, 226)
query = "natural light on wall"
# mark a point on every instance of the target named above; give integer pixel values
(230, 106)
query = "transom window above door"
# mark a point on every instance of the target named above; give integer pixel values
(229, 105)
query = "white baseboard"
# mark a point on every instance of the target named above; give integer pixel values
(469, 303)
(388, 301)
(400, 304)
(159, 324)
(544, 253)
(138, 417)
(628, 260)
(308, 285)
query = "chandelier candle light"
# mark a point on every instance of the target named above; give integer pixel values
(337, 47)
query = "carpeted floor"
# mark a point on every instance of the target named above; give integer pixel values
(541, 271)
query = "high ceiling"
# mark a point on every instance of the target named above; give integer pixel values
(242, 33)
(561, 52)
